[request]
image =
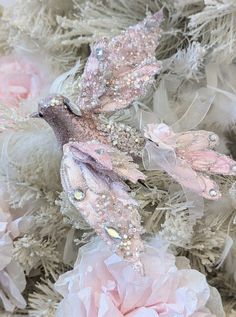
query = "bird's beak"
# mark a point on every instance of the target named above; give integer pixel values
(34, 115)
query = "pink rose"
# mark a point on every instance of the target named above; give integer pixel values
(21, 78)
(104, 285)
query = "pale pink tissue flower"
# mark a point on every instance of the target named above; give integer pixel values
(103, 284)
(12, 279)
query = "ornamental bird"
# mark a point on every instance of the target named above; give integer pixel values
(93, 172)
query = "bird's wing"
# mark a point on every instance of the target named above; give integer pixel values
(180, 170)
(107, 160)
(121, 69)
(101, 197)
(196, 140)
(210, 162)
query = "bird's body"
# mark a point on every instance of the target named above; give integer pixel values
(93, 171)
(67, 126)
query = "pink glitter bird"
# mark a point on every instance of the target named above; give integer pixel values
(188, 157)
(118, 71)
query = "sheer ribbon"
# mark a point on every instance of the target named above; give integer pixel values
(156, 158)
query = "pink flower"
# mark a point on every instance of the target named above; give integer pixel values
(102, 284)
(21, 78)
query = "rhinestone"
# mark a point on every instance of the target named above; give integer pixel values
(79, 195)
(99, 151)
(213, 193)
(90, 268)
(234, 221)
(99, 52)
(234, 168)
(54, 102)
(213, 137)
(112, 232)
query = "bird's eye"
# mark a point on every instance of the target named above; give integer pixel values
(40, 115)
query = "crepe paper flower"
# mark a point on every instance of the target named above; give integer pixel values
(103, 284)
(189, 157)
(118, 71)
(12, 279)
(21, 78)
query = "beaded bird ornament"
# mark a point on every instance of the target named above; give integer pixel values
(94, 170)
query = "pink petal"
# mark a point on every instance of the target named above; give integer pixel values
(143, 312)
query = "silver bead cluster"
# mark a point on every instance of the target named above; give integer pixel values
(125, 138)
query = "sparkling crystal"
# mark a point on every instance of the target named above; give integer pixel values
(112, 232)
(213, 193)
(79, 195)
(234, 168)
(90, 268)
(99, 52)
(100, 151)
(54, 102)
(213, 137)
